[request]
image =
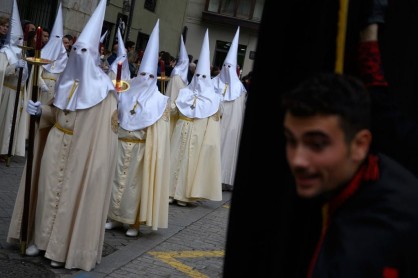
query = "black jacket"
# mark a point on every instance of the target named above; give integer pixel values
(375, 230)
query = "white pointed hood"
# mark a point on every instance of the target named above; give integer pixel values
(14, 37)
(122, 57)
(203, 66)
(227, 82)
(231, 57)
(198, 99)
(143, 98)
(54, 49)
(83, 84)
(182, 66)
(149, 63)
(103, 37)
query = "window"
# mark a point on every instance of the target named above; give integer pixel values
(222, 49)
(150, 5)
(242, 9)
(41, 12)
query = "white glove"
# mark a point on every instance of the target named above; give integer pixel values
(44, 88)
(34, 108)
(21, 64)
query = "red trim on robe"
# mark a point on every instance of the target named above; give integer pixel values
(367, 172)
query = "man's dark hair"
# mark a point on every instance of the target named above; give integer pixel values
(332, 94)
(69, 37)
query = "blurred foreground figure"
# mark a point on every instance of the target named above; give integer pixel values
(369, 201)
(309, 47)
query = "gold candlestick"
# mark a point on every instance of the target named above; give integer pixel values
(123, 86)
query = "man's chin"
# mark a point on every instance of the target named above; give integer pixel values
(307, 192)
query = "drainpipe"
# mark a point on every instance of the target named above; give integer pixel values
(128, 27)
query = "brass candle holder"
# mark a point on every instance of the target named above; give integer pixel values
(24, 48)
(38, 61)
(123, 86)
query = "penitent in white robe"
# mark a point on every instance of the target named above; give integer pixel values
(8, 85)
(140, 187)
(195, 172)
(73, 189)
(231, 126)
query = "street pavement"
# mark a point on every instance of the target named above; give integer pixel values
(191, 246)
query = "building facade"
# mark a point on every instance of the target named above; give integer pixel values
(138, 17)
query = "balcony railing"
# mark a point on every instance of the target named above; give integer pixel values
(246, 13)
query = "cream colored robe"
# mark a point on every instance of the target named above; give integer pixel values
(231, 126)
(173, 87)
(195, 172)
(45, 78)
(73, 187)
(141, 184)
(41, 135)
(8, 85)
(49, 79)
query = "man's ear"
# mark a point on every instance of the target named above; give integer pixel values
(361, 144)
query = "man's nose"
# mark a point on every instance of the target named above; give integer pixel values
(299, 157)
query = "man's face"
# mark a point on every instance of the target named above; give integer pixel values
(45, 37)
(30, 27)
(66, 42)
(4, 28)
(318, 155)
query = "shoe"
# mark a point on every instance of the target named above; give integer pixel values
(227, 187)
(132, 232)
(182, 204)
(113, 224)
(56, 264)
(32, 250)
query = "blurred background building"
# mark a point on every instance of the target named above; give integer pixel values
(138, 17)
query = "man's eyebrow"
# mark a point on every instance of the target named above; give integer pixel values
(313, 133)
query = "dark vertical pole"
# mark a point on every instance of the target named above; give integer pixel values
(16, 107)
(129, 24)
(31, 140)
(185, 29)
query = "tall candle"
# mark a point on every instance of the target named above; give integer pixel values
(119, 72)
(38, 38)
(118, 75)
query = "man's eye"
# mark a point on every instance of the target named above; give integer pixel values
(151, 76)
(84, 49)
(143, 73)
(317, 145)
